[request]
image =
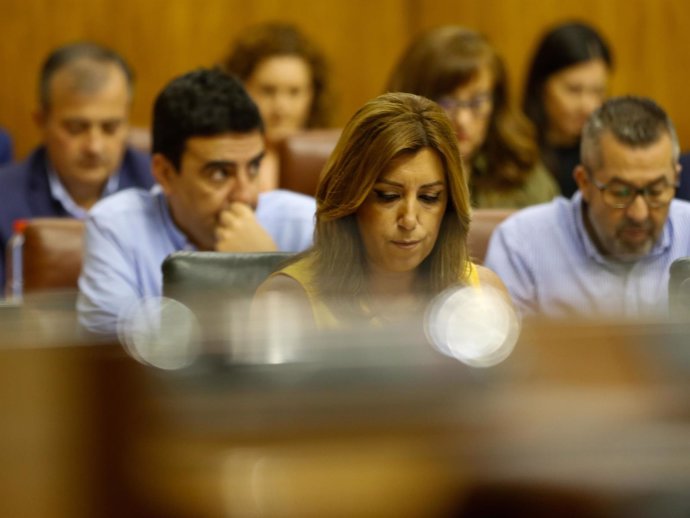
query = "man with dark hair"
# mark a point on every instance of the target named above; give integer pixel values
(607, 250)
(208, 143)
(85, 93)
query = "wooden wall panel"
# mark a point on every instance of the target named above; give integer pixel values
(363, 38)
(164, 38)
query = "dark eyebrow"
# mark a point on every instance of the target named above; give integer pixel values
(259, 157)
(88, 120)
(217, 164)
(620, 180)
(76, 120)
(426, 185)
(214, 164)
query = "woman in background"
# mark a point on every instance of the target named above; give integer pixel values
(566, 82)
(460, 70)
(286, 75)
(393, 213)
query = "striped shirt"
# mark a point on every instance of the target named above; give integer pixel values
(550, 266)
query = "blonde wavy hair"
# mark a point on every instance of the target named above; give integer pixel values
(384, 129)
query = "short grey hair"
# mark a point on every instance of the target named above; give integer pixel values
(87, 77)
(632, 120)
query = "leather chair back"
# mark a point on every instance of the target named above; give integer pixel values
(52, 254)
(302, 157)
(217, 287)
(483, 223)
(186, 274)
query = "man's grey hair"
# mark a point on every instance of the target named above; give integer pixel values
(87, 78)
(633, 121)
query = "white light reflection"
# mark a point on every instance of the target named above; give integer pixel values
(161, 332)
(244, 483)
(278, 328)
(476, 326)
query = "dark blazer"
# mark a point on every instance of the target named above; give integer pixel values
(5, 147)
(683, 192)
(25, 192)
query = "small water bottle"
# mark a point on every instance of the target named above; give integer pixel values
(15, 285)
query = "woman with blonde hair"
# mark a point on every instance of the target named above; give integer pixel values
(461, 71)
(393, 213)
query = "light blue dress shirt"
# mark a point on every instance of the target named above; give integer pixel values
(129, 234)
(550, 266)
(59, 193)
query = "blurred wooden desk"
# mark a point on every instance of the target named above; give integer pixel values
(582, 418)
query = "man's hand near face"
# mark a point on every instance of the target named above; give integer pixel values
(239, 231)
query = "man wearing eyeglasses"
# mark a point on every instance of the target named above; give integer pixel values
(606, 251)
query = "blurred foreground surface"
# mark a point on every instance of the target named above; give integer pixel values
(582, 419)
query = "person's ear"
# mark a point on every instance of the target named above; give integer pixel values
(679, 168)
(581, 177)
(163, 172)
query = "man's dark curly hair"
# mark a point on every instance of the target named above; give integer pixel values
(205, 102)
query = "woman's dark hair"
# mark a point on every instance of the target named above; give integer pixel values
(561, 47)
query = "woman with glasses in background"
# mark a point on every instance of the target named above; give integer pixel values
(460, 70)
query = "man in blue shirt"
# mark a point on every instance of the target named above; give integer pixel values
(85, 92)
(208, 143)
(683, 191)
(606, 251)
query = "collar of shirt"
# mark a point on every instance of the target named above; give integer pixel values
(577, 203)
(60, 194)
(176, 235)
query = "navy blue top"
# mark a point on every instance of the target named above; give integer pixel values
(25, 191)
(5, 147)
(683, 192)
